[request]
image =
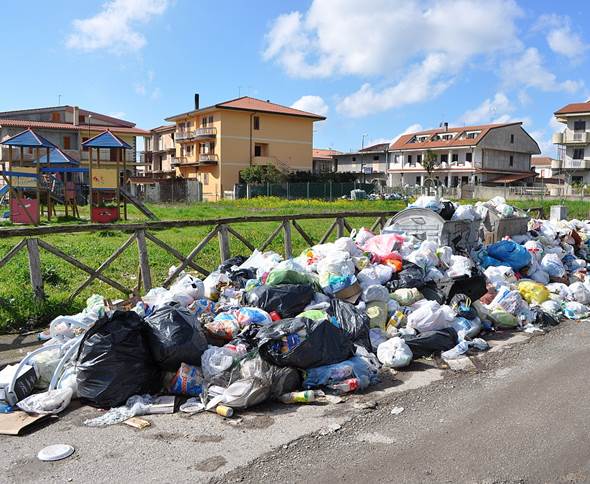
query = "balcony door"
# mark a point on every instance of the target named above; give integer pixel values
(579, 126)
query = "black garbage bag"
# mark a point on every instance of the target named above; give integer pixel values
(544, 319)
(114, 361)
(429, 342)
(303, 343)
(241, 276)
(227, 264)
(288, 300)
(409, 277)
(472, 286)
(447, 211)
(354, 322)
(175, 336)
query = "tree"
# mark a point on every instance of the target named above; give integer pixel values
(260, 174)
(430, 162)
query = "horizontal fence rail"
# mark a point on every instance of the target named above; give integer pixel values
(222, 229)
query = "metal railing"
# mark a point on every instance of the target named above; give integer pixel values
(208, 158)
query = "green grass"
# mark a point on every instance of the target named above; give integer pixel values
(19, 312)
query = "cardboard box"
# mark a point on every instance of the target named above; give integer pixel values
(24, 383)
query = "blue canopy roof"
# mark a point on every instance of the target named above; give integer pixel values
(58, 157)
(28, 139)
(106, 139)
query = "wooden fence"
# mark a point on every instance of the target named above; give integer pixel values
(223, 230)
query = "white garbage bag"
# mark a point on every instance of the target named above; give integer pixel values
(580, 292)
(394, 353)
(551, 263)
(460, 266)
(465, 212)
(430, 316)
(50, 402)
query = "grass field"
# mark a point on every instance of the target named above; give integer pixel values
(18, 310)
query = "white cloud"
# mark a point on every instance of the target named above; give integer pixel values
(311, 104)
(114, 27)
(527, 70)
(379, 38)
(546, 146)
(140, 89)
(556, 125)
(561, 38)
(496, 110)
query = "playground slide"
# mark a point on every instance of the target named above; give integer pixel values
(4, 190)
(140, 206)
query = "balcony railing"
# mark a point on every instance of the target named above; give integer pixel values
(571, 137)
(571, 164)
(208, 132)
(208, 158)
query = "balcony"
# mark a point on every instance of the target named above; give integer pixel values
(570, 164)
(208, 158)
(205, 133)
(571, 138)
(184, 135)
(178, 160)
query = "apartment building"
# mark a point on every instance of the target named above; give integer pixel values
(160, 152)
(323, 160)
(68, 127)
(370, 163)
(573, 143)
(487, 154)
(215, 143)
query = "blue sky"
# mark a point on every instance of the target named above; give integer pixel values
(376, 67)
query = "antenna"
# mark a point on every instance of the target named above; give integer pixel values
(59, 99)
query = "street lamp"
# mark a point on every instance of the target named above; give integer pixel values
(363, 156)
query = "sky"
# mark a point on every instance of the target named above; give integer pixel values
(375, 68)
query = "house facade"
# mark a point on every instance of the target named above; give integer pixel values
(543, 166)
(573, 143)
(215, 143)
(67, 127)
(160, 152)
(370, 163)
(488, 154)
(323, 160)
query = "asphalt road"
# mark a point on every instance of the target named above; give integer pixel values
(522, 418)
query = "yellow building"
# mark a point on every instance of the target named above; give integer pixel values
(215, 143)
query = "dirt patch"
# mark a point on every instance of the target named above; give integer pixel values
(204, 439)
(257, 422)
(211, 464)
(163, 436)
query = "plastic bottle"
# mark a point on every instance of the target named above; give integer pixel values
(306, 396)
(346, 386)
(224, 411)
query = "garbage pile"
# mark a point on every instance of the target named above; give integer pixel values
(319, 325)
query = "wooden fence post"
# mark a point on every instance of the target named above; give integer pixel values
(223, 235)
(35, 269)
(339, 227)
(288, 245)
(144, 261)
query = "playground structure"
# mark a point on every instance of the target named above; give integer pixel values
(39, 181)
(108, 190)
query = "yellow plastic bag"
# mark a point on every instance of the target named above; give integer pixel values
(533, 292)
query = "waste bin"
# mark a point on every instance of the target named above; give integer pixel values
(425, 224)
(496, 227)
(358, 194)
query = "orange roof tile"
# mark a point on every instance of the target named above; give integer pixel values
(403, 142)
(324, 153)
(574, 108)
(540, 161)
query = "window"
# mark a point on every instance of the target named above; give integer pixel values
(469, 157)
(354, 158)
(578, 154)
(84, 138)
(256, 122)
(409, 159)
(579, 125)
(455, 158)
(66, 142)
(205, 178)
(444, 158)
(56, 117)
(511, 160)
(189, 149)
(512, 138)
(376, 158)
(257, 150)
(577, 179)
(114, 152)
(417, 180)
(418, 158)
(81, 119)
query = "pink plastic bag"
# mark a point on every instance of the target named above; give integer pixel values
(383, 245)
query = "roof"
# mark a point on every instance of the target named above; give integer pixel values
(28, 139)
(106, 139)
(325, 153)
(574, 108)
(246, 103)
(58, 157)
(512, 177)
(25, 123)
(403, 141)
(164, 128)
(541, 161)
(68, 108)
(377, 147)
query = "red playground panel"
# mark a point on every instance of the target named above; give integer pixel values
(18, 214)
(104, 215)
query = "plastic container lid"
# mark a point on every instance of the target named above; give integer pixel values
(55, 452)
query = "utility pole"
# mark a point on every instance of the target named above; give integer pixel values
(363, 157)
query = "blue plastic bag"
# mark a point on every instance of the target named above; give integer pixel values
(355, 367)
(509, 253)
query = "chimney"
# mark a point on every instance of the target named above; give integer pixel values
(76, 115)
(446, 127)
(196, 100)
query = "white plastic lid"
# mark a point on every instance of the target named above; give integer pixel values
(55, 452)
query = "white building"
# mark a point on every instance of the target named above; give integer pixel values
(490, 154)
(573, 151)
